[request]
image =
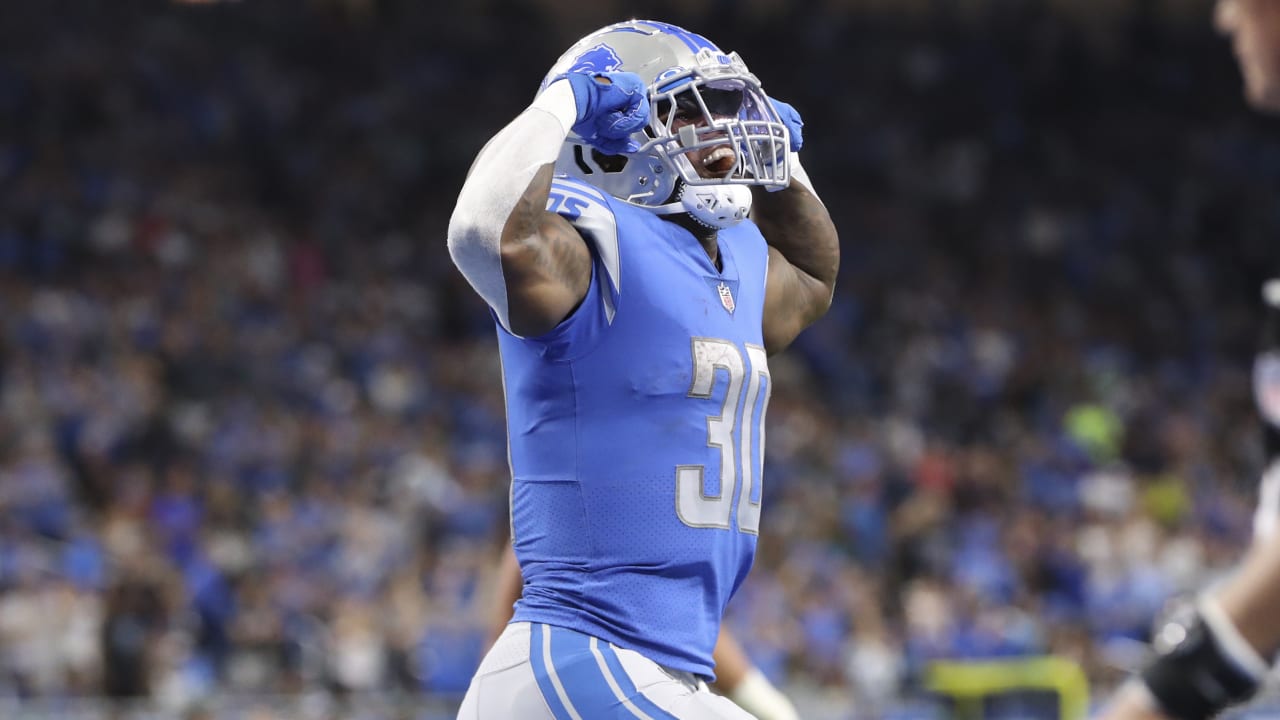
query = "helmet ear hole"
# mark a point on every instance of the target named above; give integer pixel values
(580, 161)
(609, 163)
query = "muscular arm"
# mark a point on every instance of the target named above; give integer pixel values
(804, 256)
(531, 266)
(545, 262)
(1251, 598)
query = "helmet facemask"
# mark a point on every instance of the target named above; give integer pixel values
(713, 105)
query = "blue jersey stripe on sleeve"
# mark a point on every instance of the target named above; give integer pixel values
(574, 185)
(589, 211)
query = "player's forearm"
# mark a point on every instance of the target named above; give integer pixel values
(731, 661)
(796, 223)
(1223, 651)
(1250, 599)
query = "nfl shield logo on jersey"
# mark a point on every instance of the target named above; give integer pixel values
(1266, 383)
(726, 296)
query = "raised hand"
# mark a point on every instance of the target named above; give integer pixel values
(611, 106)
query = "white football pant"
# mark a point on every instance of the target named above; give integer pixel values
(541, 672)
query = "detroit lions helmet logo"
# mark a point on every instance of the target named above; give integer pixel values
(600, 58)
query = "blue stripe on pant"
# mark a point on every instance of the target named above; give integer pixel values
(628, 688)
(541, 672)
(586, 687)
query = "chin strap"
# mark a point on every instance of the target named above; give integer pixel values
(715, 206)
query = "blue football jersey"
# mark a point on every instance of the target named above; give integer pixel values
(636, 432)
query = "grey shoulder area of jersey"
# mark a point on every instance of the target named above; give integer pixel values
(589, 211)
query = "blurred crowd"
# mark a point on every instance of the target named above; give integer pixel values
(251, 422)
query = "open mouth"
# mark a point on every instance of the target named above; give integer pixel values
(720, 161)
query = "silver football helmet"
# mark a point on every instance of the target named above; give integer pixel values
(718, 103)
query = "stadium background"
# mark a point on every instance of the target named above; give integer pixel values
(251, 441)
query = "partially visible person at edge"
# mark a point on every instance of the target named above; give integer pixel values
(1218, 650)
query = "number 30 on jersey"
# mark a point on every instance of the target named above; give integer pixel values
(744, 449)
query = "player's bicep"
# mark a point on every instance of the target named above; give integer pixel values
(793, 300)
(547, 270)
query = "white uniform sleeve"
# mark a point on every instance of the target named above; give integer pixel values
(799, 175)
(499, 176)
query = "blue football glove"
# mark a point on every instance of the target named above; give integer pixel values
(791, 118)
(611, 106)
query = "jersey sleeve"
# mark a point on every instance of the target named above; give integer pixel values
(591, 212)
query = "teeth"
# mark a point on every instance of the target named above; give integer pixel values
(716, 155)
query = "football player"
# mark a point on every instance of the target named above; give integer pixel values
(645, 237)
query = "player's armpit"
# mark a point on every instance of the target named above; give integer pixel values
(546, 264)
